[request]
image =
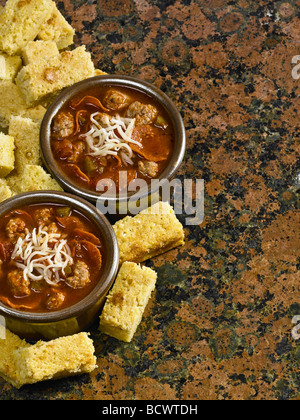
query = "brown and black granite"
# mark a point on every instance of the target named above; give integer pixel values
(219, 325)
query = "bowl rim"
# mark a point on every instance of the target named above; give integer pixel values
(111, 266)
(117, 80)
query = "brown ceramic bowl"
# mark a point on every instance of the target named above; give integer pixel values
(121, 200)
(79, 316)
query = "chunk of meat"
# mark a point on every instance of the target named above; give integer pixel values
(19, 285)
(67, 151)
(143, 113)
(115, 100)
(103, 119)
(15, 229)
(44, 217)
(55, 300)
(81, 276)
(148, 168)
(63, 125)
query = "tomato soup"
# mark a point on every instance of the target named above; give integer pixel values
(105, 130)
(51, 257)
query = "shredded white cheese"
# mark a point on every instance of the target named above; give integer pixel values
(102, 139)
(44, 256)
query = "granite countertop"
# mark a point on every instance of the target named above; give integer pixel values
(219, 324)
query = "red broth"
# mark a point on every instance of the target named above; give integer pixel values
(103, 131)
(50, 258)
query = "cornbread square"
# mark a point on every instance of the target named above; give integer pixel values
(35, 113)
(5, 191)
(9, 343)
(7, 158)
(151, 232)
(12, 102)
(27, 142)
(57, 29)
(20, 23)
(39, 81)
(127, 300)
(9, 66)
(62, 357)
(33, 178)
(39, 50)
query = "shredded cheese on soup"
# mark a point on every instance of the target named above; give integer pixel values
(42, 256)
(111, 137)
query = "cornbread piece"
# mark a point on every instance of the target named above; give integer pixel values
(57, 29)
(62, 357)
(9, 343)
(12, 102)
(27, 142)
(20, 23)
(36, 113)
(9, 67)
(39, 50)
(39, 81)
(5, 191)
(127, 300)
(33, 178)
(7, 158)
(152, 232)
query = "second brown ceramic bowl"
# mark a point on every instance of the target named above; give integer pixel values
(76, 318)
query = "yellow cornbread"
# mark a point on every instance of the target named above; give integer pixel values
(152, 232)
(7, 158)
(22, 363)
(27, 142)
(127, 300)
(39, 81)
(9, 67)
(5, 191)
(32, 178)
(20, 22)
(57, 29)
(9, 343)
(39, 50)
(65, 356)
(13, 104)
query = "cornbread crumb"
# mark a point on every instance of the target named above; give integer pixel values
(33, 178)
(7, 158)
(39, 50)
(57, 29)
(99, 72)
(5, 191)
(127, 300)
(65, 356)
(150, 233)
(9, 67)
(9, 343)
(40, 81)
(20, 23)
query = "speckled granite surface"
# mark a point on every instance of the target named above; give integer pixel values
(219, 326)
